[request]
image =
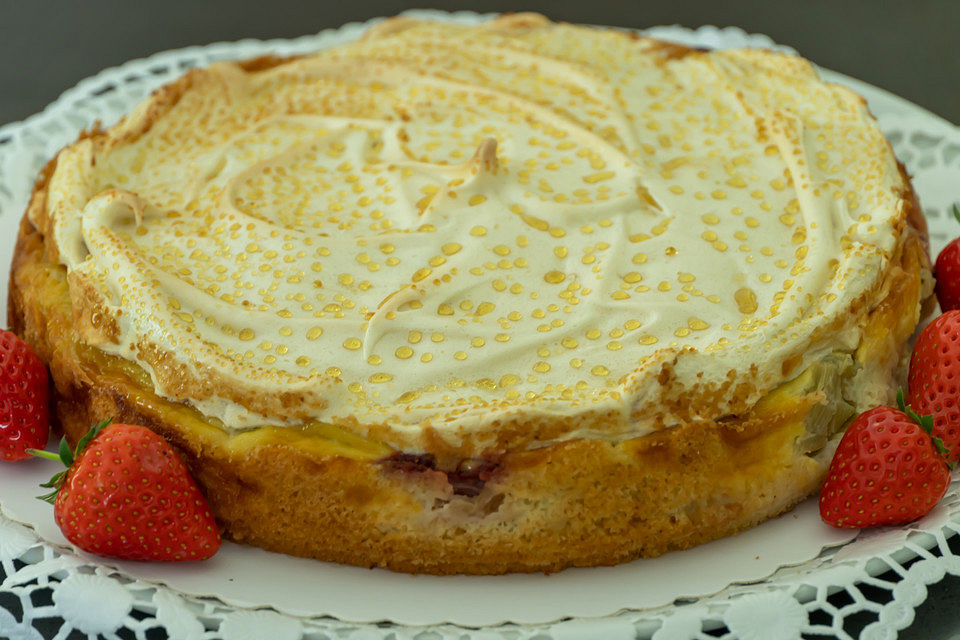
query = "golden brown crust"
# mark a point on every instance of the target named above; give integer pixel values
(579, 503)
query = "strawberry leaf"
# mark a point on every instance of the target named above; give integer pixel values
(55, 481)
(941, 448)
(956, 212)
(90, 435)
(925, 422)
(65, 454)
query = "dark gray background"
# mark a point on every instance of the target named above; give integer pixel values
(909, 48)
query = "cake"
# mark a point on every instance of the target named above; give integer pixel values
(514, 296)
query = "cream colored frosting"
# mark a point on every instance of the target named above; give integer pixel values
(560, 229)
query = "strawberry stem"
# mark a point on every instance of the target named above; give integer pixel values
(44, 454)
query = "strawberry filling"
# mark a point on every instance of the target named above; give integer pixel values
(468, 479)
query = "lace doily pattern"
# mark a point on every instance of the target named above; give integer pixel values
(868, 588)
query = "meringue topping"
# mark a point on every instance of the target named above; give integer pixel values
(449, 232)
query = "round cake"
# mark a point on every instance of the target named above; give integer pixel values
(514, 296)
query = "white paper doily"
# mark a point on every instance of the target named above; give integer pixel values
(876, 580)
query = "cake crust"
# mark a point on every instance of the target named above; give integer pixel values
(577, 503)
(329, 493)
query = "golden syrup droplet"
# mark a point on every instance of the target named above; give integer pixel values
(746, 300)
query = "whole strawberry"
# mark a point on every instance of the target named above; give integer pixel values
(947, 271)
(934, 381)
(126, 494)
(886, 470)
(24, 399)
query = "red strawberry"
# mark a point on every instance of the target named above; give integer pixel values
(934, 381)
(886, 470)
(24, 399)
(126, 494)
(947, 270)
